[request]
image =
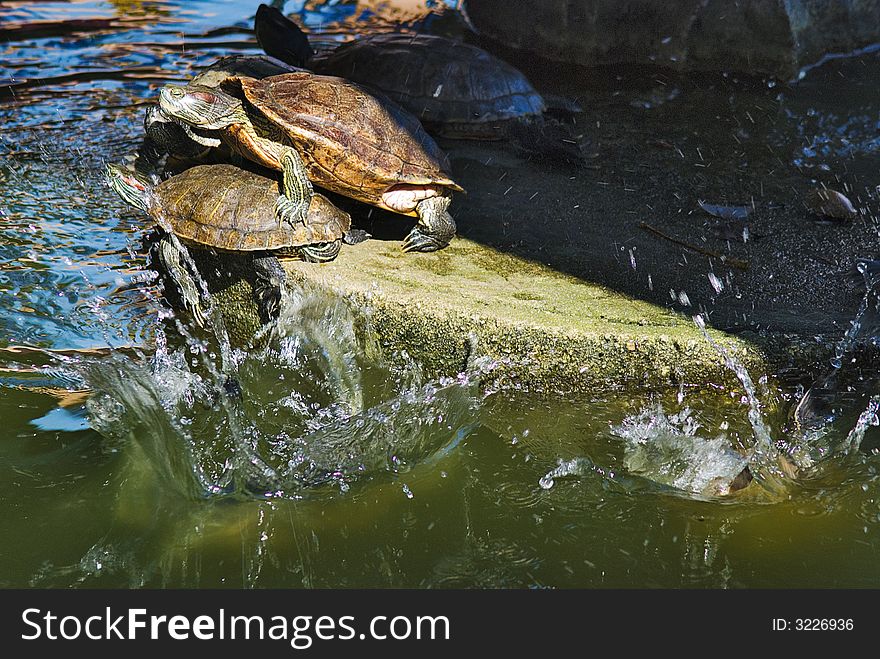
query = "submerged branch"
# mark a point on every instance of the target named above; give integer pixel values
(730, 260)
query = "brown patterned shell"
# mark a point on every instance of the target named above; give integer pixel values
(225, 207)
(351, 141)
(440, 80)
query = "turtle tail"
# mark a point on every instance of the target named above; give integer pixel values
(281, 38)
(546, 140)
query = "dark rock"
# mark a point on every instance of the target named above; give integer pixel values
(764, 37)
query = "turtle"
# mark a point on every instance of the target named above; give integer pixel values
(227, 208)
(456, 89)
(166, 148)
(331, 132)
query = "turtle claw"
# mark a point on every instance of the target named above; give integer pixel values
(418, 241)
(290, 211)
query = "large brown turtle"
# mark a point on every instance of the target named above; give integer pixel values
(327, 131)
(227, 208)
(457, 90)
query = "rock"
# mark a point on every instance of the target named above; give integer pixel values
(778, 38)
(547, 331)
(830, 204)
(725, 212)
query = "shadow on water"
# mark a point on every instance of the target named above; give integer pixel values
(316, 457)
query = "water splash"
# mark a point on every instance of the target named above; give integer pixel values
(417, 426)
(870, 417)
(866, 322)
(829, 396)
(767, 463)
(580, 466)
(663, 452)
(307, 408)
(668, 449)
(311, 330)
(316, 408)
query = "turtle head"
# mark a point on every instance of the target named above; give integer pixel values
(200, 107)
(133, 189)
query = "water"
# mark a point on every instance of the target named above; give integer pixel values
(139, 451)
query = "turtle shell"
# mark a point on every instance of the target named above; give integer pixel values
(440, 80)
(253, 66)
(351, 141)
(229, 208)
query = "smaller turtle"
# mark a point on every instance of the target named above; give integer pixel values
(457, 90)
(226, 208)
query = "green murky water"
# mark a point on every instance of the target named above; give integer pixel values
(125, 462)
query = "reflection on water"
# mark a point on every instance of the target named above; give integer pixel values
(317, 458)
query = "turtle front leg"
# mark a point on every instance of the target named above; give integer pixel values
(174, 261)
(296, 189)
(435, 227)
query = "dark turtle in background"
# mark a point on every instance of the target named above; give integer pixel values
(327, 131)
(456, 90)
(167, 148)
(226, 208)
